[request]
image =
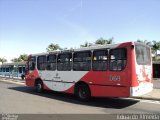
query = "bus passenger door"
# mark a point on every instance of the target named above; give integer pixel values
(31, 71)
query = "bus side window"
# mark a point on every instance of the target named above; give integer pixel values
(64, 62)
(41, 62)
(82, 61)
(31, 65)
(100, 60)
(118, 59)
(51, 62)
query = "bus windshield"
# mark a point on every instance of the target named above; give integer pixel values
(143, 55)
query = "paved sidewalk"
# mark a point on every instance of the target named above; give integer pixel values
(154, 95)
(156, 83)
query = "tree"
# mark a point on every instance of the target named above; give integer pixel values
(3, 60)
(146, 42)
(155, 47)
(87, 44)
(23, 57)
(16, 60)
(102, 41)
(53, 47)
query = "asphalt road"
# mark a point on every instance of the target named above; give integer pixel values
(20, 99)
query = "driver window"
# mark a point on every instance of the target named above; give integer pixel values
(32, 63)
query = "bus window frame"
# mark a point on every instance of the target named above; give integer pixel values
(124, 60)
(44, 62)
(106, 61)
(64, 63)
(33, 62)
(52, 62)
(89, 62)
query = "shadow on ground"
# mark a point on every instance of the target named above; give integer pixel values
(117, 103)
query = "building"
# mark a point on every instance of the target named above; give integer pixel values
(156, 69)
(12, 70)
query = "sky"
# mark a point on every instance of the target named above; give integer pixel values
(29, 26)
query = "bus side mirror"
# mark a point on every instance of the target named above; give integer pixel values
(132, 46)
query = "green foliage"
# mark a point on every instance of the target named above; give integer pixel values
(21, 58)
(146, 42)
(3, 60)
(155, 58)
(87, 44)
(53, 47)
(102, 41)
(155, 47)
(16, 60)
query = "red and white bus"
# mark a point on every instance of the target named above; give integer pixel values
(116, 70)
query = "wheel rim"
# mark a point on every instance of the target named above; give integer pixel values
(39, 87)
(82, 92)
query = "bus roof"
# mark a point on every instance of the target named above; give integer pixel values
(93, 47)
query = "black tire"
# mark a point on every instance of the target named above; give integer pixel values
(39, 86)
(83, 93)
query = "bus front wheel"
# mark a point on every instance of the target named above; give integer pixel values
(83, 92)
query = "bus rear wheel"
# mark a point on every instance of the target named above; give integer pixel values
(39, 86)
(83, 92)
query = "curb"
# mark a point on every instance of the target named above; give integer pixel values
(10, 78)
(13, 81)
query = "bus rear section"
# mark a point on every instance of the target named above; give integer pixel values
(114, 81)
(142, 72)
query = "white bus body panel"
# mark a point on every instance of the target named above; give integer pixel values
(61, 80)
